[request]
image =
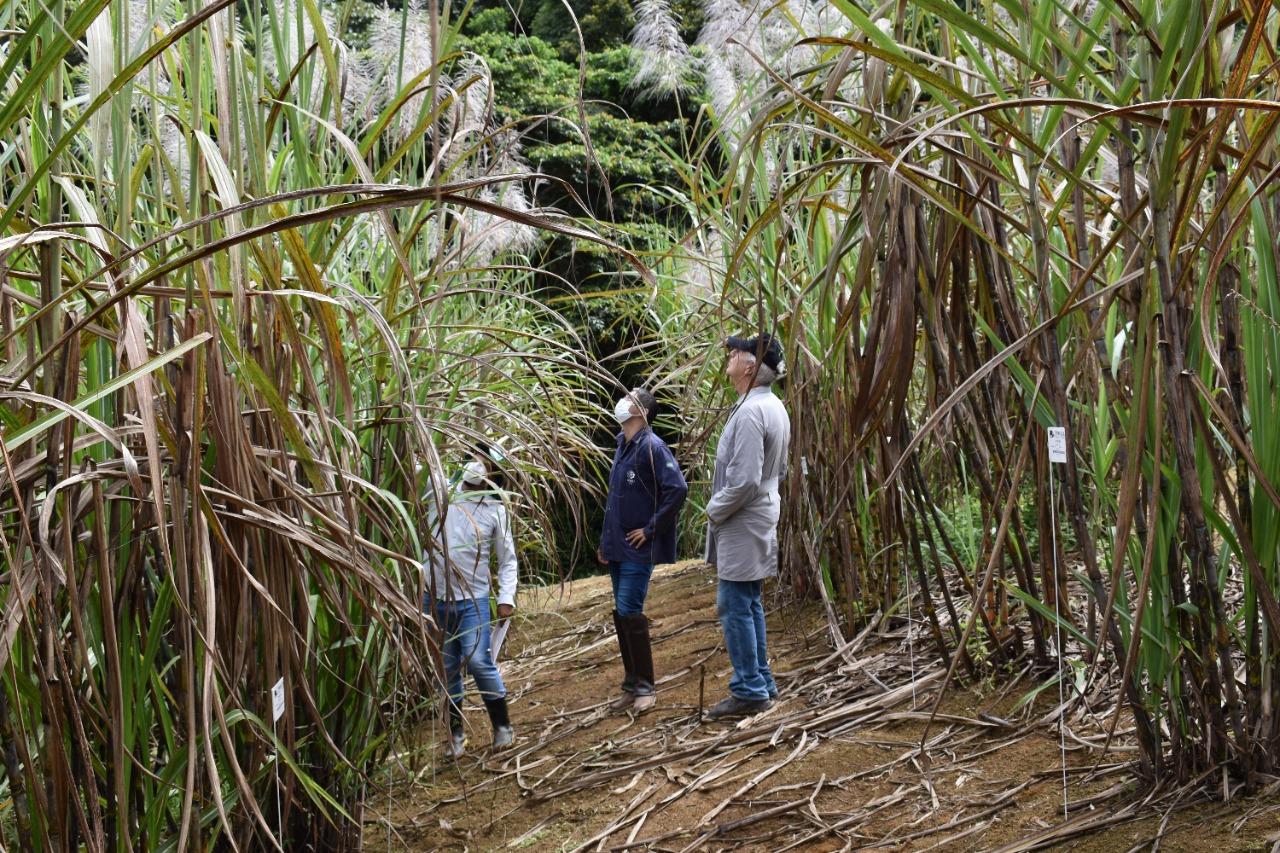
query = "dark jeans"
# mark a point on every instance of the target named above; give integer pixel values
(630, 586)
(742, 620)
(465, 625)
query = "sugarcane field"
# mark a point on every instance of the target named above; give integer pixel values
(639, 425)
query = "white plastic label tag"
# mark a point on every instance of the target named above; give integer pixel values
(277, 700)
(497, 634)
(1057, 444)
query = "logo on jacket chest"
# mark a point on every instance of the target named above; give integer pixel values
(631, 477)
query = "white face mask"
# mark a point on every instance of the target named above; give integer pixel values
(622, 410)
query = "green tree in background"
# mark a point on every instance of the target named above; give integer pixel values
(538, 90)
(604, 24)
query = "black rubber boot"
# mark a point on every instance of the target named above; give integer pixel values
(628, 660)
(456, 745)
(497, 709)
(636, 627)
(503, 734)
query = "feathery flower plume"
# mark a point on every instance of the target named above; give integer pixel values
(774, 34)
(506, 154)
(474, 106)
(176, 151)
(489, 235)
(141, 20)
(361, 94)
(297, 36)
(722, 89)
(660, 58)
(721, 20)
(479, 232)
(810, 18)
(728, 68)
(511, 236)
(391, 29)
(358, 87)
(469, 113)
(705, 263)
(808, 15)
(144, 18)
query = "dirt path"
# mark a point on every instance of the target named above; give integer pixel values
(835, 764)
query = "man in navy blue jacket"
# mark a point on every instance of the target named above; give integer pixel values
(646, 490)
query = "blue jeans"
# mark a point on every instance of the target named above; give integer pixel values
(630, 586)
(742, 620)
(465, 625)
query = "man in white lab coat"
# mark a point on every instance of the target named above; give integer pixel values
(742, 518)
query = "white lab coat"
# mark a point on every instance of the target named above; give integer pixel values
(742, 514)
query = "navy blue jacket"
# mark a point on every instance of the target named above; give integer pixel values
(646, 490)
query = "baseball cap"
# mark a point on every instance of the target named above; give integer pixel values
(473, 473)
(764, 346)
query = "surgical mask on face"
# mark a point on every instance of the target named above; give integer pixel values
(622, 410)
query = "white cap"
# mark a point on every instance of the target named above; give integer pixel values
(473, 473)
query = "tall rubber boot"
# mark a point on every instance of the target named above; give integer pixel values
(456, 746)
(636, 626)
(503, 734)
(628, 666)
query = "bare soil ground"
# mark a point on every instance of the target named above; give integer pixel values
(836, 764)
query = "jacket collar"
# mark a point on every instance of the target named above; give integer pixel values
(622, 436)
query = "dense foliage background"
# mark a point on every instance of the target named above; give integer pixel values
(270, 271)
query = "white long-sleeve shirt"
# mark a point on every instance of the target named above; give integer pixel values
(475, 525)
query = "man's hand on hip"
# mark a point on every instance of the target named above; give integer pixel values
(636, 538)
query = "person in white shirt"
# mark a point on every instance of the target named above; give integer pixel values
(475, 525)
(742, 518)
